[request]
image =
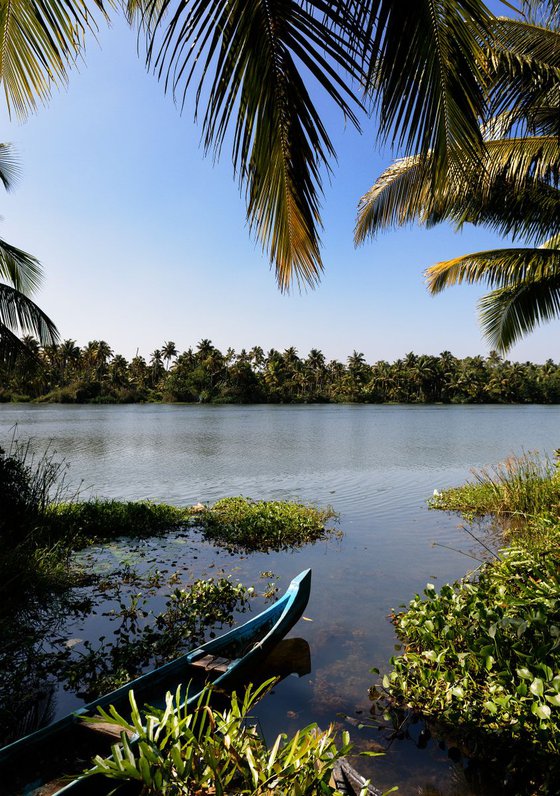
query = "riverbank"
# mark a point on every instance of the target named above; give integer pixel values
(481, 657)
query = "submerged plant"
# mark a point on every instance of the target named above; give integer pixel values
(144, 639)
(186, 749)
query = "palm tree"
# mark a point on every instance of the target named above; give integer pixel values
(169, 351)
(422, 63)
(513, 190)
(21, 273)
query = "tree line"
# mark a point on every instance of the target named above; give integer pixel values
(66, 373)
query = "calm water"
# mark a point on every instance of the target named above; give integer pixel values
(376, 465)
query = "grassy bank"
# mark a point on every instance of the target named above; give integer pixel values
(524, 486)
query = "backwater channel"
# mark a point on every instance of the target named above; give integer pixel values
(376, 465)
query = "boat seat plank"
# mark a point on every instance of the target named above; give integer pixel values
(212, 663)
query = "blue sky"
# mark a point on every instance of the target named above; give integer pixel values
(145, 240)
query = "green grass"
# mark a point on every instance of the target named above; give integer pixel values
(240, 523)
(84, 522)
(525, 486)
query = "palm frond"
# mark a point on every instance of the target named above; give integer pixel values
(9, 166)
(552, 243)
(39, 39)
(429, 76)
(519, 160)
(13, 349)
(247, 58)
(22, 316)
(497, 268)
(509, 313)
(525, 60)
(22, 270)
(481, 195)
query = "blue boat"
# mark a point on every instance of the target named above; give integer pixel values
(68, 744)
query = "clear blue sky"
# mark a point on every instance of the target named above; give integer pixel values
(144, 240)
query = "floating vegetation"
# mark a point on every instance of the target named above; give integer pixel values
(483, 658)
(144, 638)
(243, 524)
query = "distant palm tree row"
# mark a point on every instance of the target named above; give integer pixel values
(69, 374)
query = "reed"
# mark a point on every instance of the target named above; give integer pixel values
(525, 485)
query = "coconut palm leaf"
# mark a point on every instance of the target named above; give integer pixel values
(247, 59)
(21, 315)
(20, 269)
(9, 166)
(519, 160)
(497, 268)
(429, 75)
(487, 194)
(39, 39)
(509, 313)
(525, 60)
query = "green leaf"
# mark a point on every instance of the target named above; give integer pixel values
(537, 687)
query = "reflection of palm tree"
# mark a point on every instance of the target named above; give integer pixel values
(21, 272)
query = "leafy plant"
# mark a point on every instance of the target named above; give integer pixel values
(142, 639)
(244, 524)
(184, 749)
(93, 520)
(484, 657)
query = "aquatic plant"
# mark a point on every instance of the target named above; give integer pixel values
(483, 657)
(31, 561)
(144, 639)
(183, 749)
(94, 520)
(523, 485)
(240, 523)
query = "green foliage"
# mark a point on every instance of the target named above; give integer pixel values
(29, 562)
(67, 374)
(94, 520)
(484, 657)
(524, 485)
(144, 639)
(184, 749)
(244, 524)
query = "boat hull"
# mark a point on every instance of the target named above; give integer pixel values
(225, 662)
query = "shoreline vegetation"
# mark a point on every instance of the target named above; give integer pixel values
(42, 586)
(480, 660)
(66, 373)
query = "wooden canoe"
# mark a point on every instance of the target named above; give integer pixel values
(38, 764)
(346, 779)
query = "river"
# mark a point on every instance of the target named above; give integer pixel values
(376, 465)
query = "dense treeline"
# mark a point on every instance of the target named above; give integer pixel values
(67, 373)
